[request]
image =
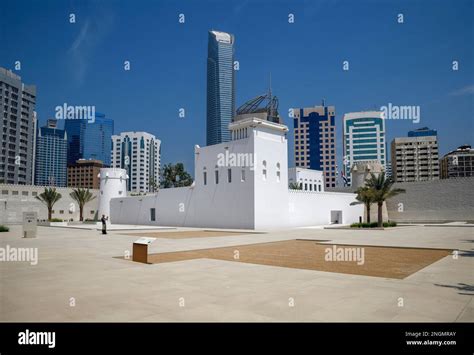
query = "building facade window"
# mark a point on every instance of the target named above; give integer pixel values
(216, 176)
(229, 175)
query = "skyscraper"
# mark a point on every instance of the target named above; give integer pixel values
(220, 87)
(139, 154)
(89, 140)
(17, 129)
(363, 139)
(51, 156)
(315, 140)
(415, 158)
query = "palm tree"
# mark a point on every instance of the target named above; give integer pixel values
(382, 190)
(49, 197)
(366, 197)
(81, 196)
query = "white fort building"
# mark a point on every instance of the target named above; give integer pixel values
(238, 184)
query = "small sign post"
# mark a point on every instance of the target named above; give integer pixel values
(29, 224)
(140, 249)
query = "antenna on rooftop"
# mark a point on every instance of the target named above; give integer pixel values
(270, 97)
(270, 86)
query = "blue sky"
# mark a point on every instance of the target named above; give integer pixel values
(402, 64)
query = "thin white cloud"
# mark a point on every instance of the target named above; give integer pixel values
(79, 53)
(91, 34)
(80, 37)
(467, 90)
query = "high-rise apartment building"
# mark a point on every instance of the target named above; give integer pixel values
(84, 174)
(17, 129)
(51, 156)
(363, 140)
(220, 87)
(139, 154)
(89, 140)
(415, 158)
(315, 141)
(458, 163)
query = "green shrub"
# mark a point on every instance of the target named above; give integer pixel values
(56, 220)
(373, 225)
(4, 228)
(364, 225)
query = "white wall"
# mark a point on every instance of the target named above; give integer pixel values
(190, 207)
(310, 208)
(271, 196)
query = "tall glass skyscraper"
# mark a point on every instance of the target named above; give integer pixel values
(90, 140)
(364, 140)
(220, 87)
(51, 156)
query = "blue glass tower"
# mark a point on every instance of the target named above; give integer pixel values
(315, 140)
(90, 140)
(220, 87)
(51, 156)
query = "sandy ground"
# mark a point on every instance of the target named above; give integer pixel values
(396, 263)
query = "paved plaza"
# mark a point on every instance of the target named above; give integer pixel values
(82, 276)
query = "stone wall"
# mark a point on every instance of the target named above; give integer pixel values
(16, 199)
(433, 201)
